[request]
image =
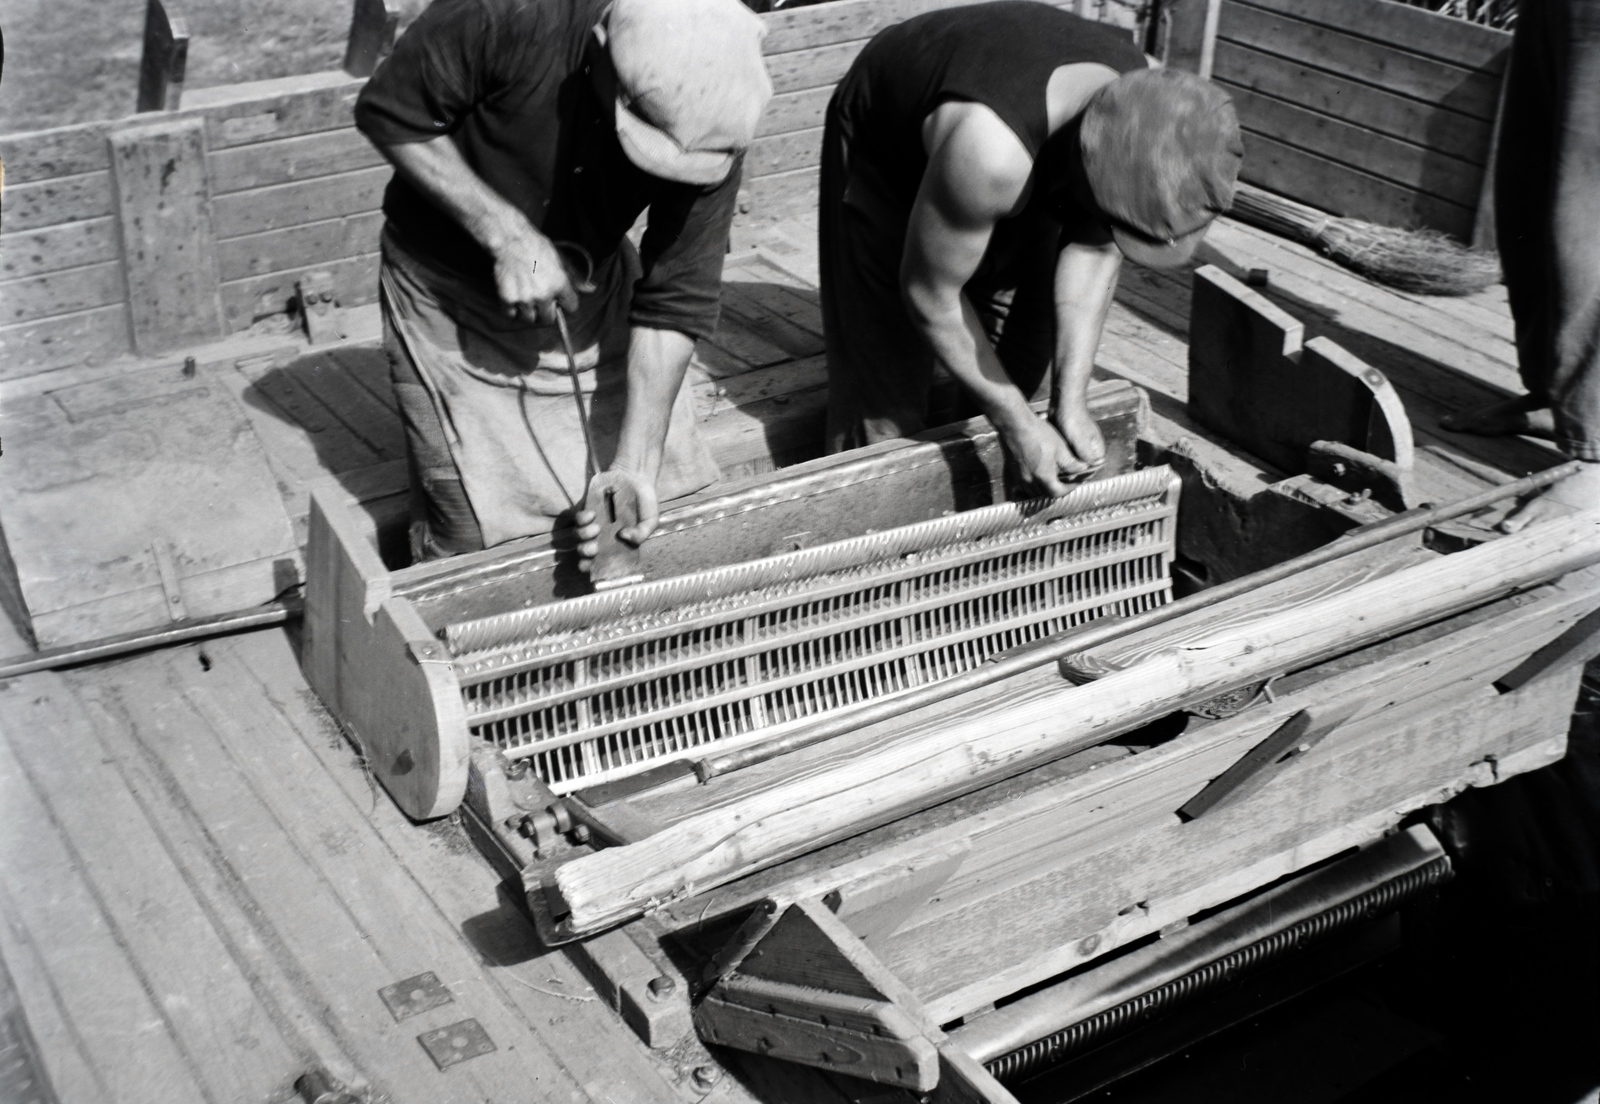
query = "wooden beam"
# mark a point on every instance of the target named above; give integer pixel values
(164, 59)
(954, 753)
(372, 28)
(168, 249)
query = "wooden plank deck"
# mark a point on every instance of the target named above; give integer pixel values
(202, 890)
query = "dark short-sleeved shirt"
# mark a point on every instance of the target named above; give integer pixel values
(508, 80)
(999, 54)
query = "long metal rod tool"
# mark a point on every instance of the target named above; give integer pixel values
(178, 632)
(1053, 648)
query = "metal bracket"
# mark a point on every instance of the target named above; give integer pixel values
(319, 308)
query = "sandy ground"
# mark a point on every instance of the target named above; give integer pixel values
(72, 61)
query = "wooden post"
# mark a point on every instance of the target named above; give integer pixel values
(1186, 37)
(372, 27)
(1208, 38)
(166, 56)
(168, 253)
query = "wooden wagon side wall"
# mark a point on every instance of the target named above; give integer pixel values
(1365, 108)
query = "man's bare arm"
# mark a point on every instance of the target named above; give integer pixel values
(976, 174)
(528, 271)
(1086, 280)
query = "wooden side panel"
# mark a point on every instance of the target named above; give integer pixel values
(378, 667)
(163, 208)
(1365, 108)
(1251, 382)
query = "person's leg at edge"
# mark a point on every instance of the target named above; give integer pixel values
(442, 520)
(879, 370)
(1572, 380)
(1524, 187)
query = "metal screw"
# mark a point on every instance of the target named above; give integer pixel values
(580, 833)
(706, 1077)
(662, 987)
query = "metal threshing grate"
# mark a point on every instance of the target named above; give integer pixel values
(607, 685)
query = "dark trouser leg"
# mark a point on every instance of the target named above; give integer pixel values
(879, 368)
(1547, 193)
(442, 521)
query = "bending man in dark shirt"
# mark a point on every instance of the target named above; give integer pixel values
(985, 169)
(528, 136)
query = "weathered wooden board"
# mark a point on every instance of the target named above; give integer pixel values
(264, 164)
(83, 338)
(1355, 52)
(65, 292)
(97, 473)
(56, 200)
(292, 204)
(355, 281)
(1343, 190)
(299, 248)
(168, 250)
(70, 245)
(1377, 109)
(1253, 381)
(1364, 108)
(1399, 162)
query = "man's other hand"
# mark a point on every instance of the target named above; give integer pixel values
(531, 278)
(1082, 434)
(1046, 460)
(628, 497)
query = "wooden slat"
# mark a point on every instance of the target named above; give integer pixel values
(46, 154)
(1413, 166)
(297, 248)
(75, 289)
(355, 281)
(261, 209)
(56, 201)
(240, 114)
(1346, 191)
(63, 339)
(774, 196)
(816, 68)
(1472, 92)
(794, 111)
(70, 245)
(800, 149)
(845, 21)
(1377, 109)
(1402, 26)
(264, 164)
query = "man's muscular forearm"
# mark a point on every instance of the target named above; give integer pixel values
(657, 361)
(1085, 282)
(528, 270)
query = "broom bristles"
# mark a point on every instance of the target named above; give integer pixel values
(1422, 261)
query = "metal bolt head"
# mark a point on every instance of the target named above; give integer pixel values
(662, 987)
(705, 1077)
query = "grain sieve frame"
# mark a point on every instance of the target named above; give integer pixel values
(372, 647)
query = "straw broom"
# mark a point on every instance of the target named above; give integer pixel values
(1423, 261)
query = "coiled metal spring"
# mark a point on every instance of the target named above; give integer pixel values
(1072, 1040)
